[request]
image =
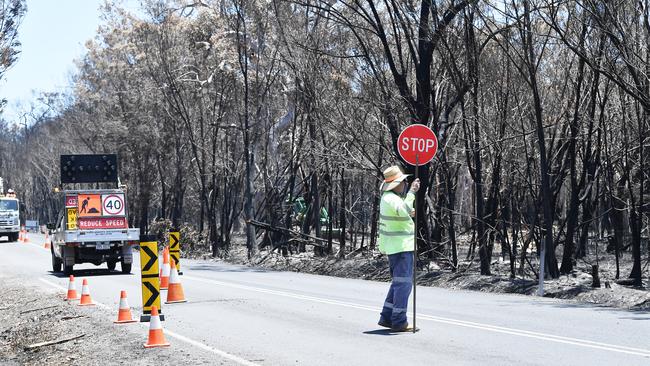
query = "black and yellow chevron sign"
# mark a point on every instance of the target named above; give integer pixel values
(175, 248)
(149, 275)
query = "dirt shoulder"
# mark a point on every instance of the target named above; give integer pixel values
(573, 287)
(31, 314)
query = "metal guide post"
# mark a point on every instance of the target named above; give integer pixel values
(415, 243)
(542, 259)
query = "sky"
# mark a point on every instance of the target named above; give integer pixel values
(53, 34)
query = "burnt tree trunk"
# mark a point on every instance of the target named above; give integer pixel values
(547, 209)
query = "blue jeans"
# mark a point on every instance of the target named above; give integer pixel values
(401, 270)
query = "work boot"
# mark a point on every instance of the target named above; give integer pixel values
(404, 328)
(384, 323)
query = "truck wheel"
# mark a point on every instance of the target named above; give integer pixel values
(67, 270)
(13, 237)
(56, 264)
(111, 265)
(126, 267)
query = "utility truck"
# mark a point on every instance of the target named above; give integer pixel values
(9, 213)
(93, 225)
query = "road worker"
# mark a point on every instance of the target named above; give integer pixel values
(396, 239)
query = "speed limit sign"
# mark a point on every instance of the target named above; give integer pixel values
(113, 204)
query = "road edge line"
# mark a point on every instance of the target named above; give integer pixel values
(173, 334)
(487, 327)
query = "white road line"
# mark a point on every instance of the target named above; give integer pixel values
(52, 284)
(31, 243)
(462, 323)
(172, 334)
(205, 347)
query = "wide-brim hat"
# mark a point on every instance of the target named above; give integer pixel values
(393, 176)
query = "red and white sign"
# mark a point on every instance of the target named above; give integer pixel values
(90, 223)
(70, 201)
(417, 144)
(113, 204)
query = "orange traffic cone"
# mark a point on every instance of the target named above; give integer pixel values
(48, 243)
(175, 292)
(72, 290)
(164, 272)
(124, 314)
(85, 295)
(25, 238)
(20, 236)
(156, 336)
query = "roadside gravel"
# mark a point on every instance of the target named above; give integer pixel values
(31, 314)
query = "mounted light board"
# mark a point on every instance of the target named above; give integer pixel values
(100, 168)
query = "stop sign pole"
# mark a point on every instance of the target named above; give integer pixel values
(417, 145)
(415, 242)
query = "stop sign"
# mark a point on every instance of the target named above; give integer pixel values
(417, 144)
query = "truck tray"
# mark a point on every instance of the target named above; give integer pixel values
(85, 236)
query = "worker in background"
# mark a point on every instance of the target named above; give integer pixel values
(396, 239)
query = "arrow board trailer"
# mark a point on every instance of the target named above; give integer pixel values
(93, 228)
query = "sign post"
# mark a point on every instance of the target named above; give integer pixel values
(417, 145)
(542, 260)
(415, 243)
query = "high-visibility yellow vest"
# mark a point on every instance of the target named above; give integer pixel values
(396, 227)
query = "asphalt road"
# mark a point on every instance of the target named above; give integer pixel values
(251, 316)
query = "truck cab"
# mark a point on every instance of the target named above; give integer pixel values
(9, 217)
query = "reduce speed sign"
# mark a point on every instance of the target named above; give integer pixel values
(113, 204)
(417, 144)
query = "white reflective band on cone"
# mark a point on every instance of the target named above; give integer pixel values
(165, 270)
(174, 277)
(155, 323)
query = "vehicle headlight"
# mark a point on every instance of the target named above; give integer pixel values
(16, 221)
